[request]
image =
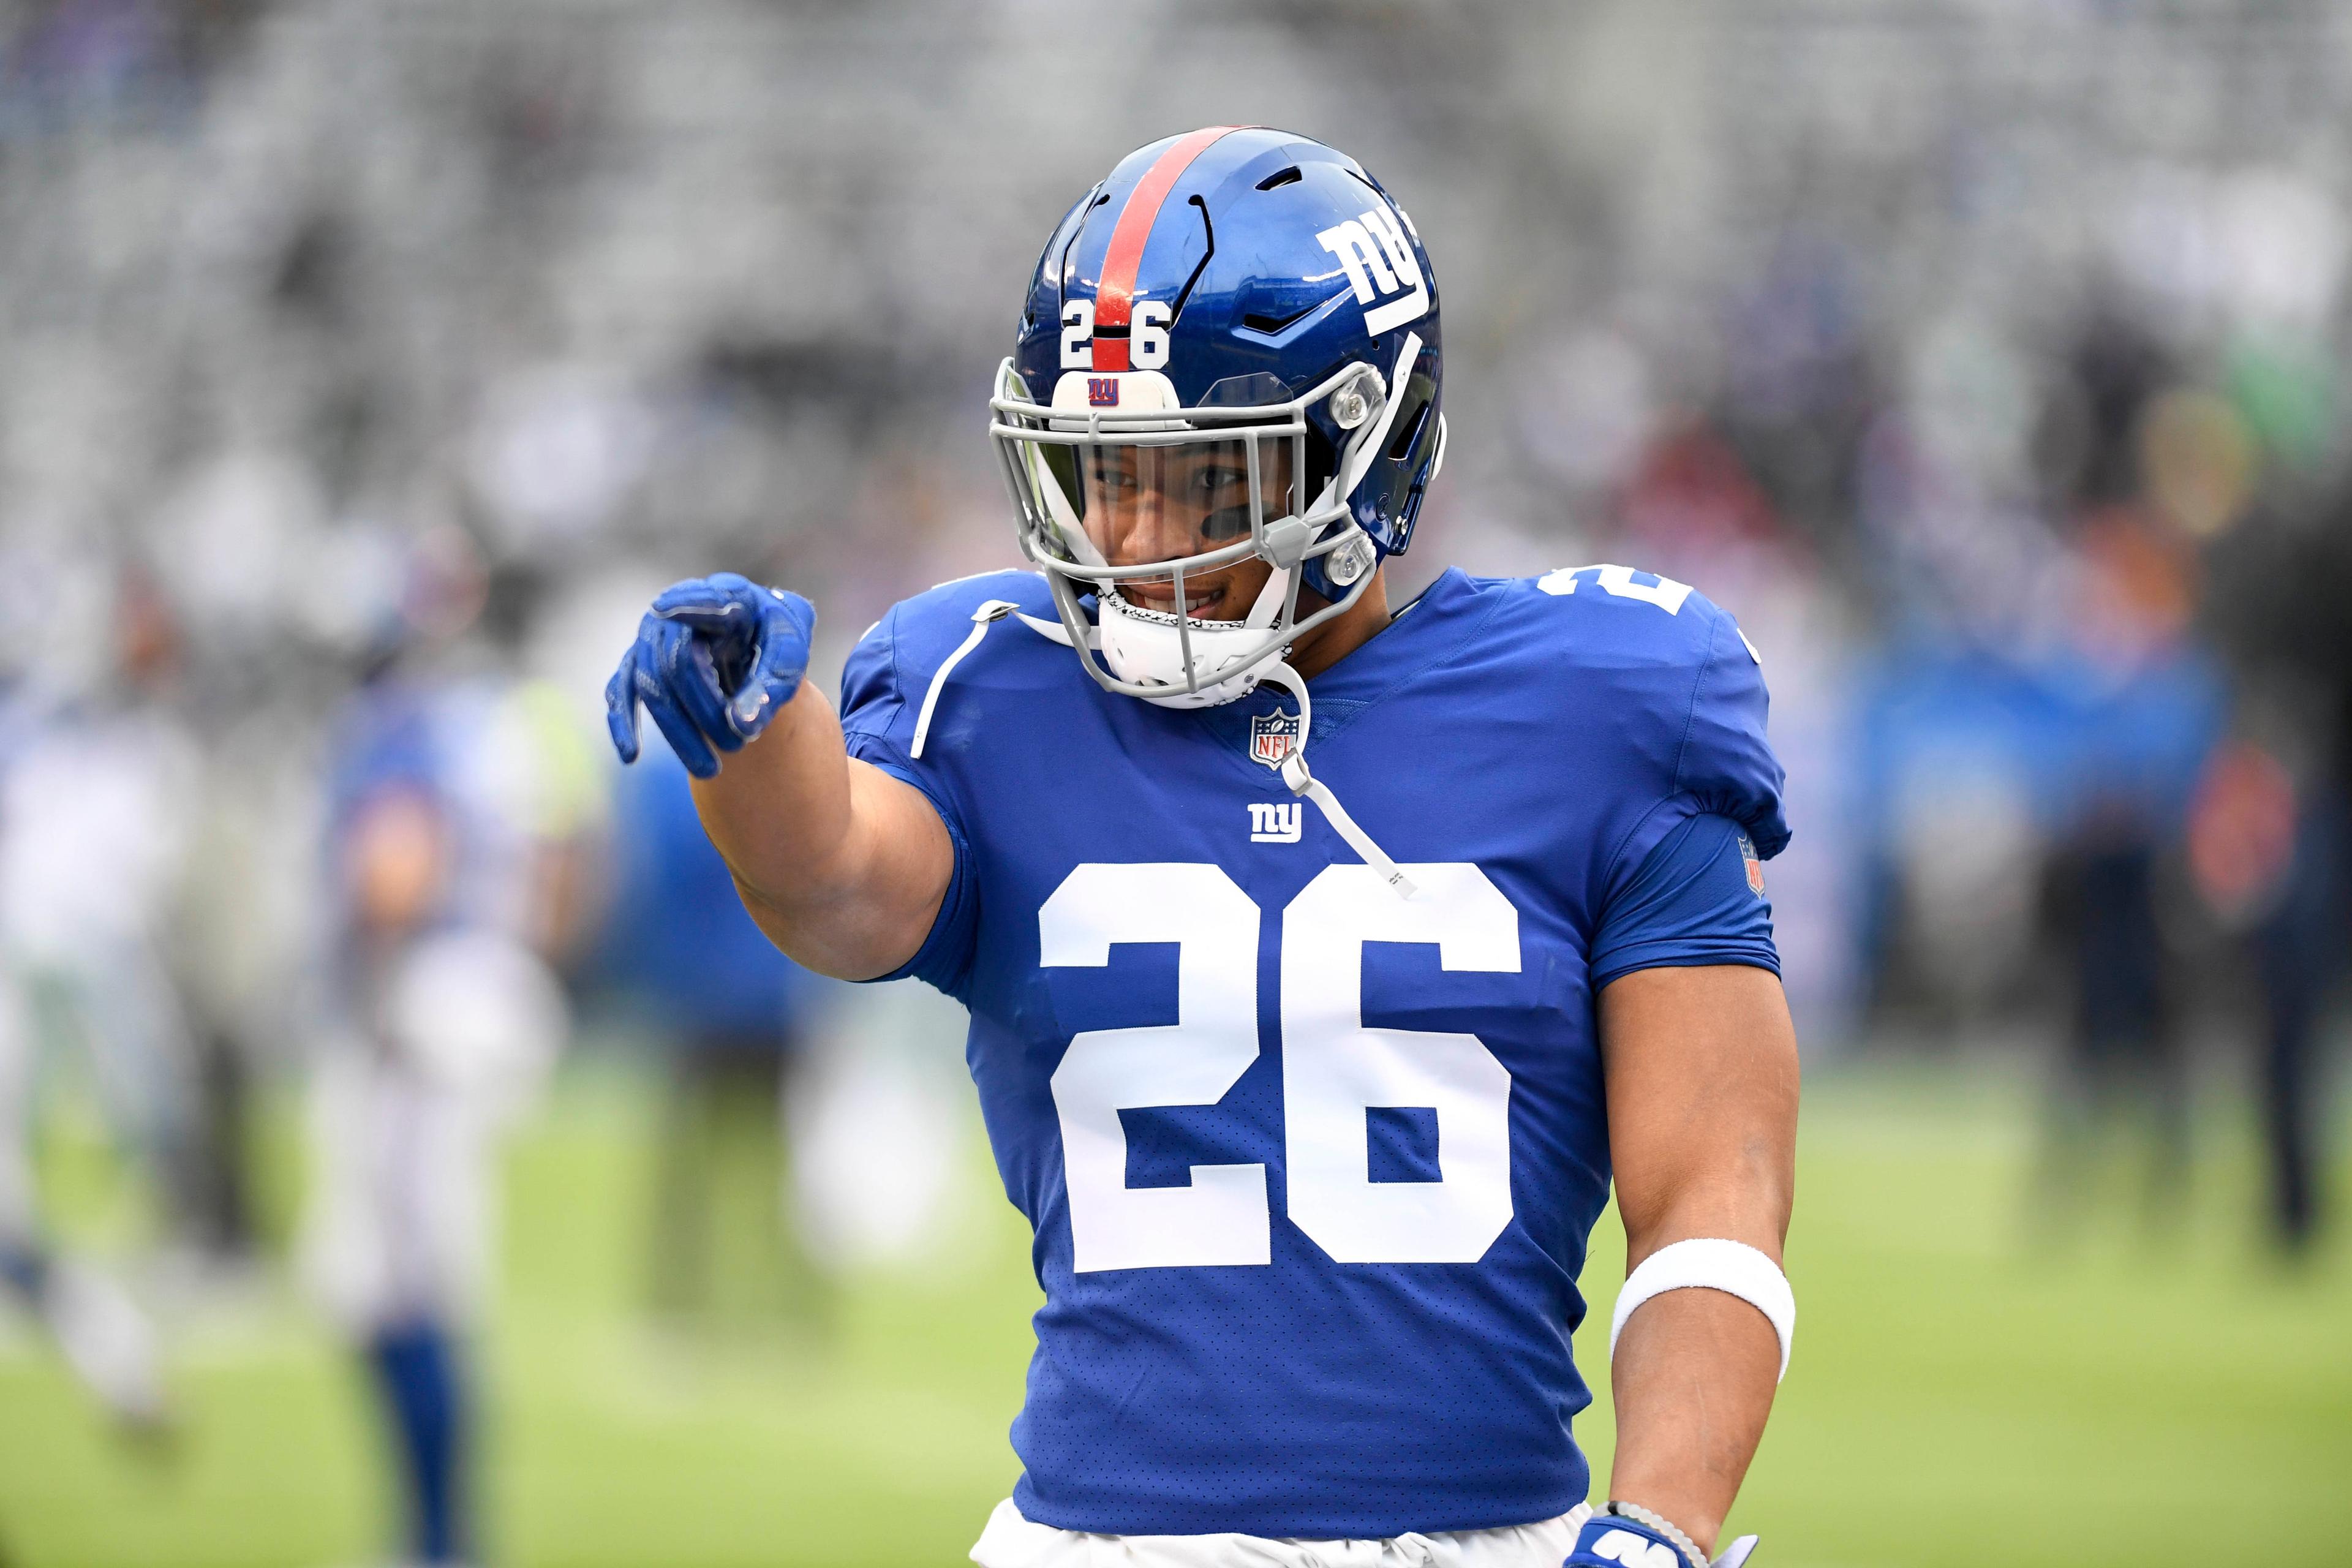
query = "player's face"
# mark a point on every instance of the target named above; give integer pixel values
(1146, 504)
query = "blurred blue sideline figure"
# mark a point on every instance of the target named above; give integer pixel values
(731, 1014)
(457, 802)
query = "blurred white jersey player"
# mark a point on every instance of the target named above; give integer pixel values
(446, 799)
(93, 833)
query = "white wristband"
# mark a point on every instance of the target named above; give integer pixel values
(1710, 1263)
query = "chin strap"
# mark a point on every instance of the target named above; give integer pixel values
(1270, 600)
(1301, 782)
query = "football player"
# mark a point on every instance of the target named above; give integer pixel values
(453, 802)
(1325, 956)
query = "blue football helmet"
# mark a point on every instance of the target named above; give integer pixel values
(1230, 351)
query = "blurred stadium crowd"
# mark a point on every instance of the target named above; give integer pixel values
(365, 367)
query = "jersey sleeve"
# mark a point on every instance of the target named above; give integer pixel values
(878, 724)
(1722, 766)
(1697, 898)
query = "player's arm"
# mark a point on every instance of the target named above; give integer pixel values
(842, 865)
(1701, 1076)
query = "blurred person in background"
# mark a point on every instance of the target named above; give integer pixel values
(2265, 843)
(239, 936)
(457, 804)
(729, 1014)
(2142, 709)
(2248, 462)
(2270, 831)
(93, 793)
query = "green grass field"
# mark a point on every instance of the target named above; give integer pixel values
(2091, 1399)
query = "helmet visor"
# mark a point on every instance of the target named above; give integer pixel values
(1118, 483)
(1146, 505)
(1143, 504)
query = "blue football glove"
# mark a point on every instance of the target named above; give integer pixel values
(1610, 1541)
(714, 660)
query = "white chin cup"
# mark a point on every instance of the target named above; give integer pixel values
(1144, 647)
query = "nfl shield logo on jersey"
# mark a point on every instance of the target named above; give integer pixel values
(1755, 866)
(1272, 735)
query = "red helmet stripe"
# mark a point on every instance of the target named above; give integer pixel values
(1115, 295)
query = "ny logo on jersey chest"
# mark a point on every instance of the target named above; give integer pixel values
(1277, 821)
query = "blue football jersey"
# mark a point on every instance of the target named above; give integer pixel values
(1312, 1165)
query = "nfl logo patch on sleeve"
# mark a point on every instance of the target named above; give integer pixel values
(1755, 867)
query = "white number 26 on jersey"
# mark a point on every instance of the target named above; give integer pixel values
(1334, 1067)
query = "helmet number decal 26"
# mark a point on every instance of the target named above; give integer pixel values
(1147, 347)
(1336, 1069)
(1379, 260)
(1077, 334)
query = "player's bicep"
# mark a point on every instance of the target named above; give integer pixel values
(909, 854)
(898, 863)
(908, 828)
(919, 898)
(1700, 1069)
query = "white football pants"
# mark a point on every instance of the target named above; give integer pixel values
(1012, 1541)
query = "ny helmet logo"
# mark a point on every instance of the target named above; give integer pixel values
(1378, 262)
(1102, 391)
